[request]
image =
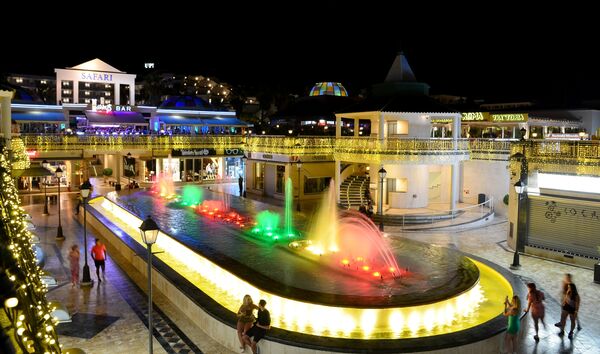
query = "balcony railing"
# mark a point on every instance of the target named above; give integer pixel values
(344, 146)
(573, 157)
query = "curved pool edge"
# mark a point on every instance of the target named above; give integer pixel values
(220, 323)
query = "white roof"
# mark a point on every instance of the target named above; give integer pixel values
(96, 65)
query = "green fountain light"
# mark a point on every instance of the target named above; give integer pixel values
(192, 195)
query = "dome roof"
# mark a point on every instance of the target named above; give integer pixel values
(185, 102)
(328, 89)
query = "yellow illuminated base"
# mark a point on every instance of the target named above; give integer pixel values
(480, 304)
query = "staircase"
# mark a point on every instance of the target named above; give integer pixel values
(352, 191)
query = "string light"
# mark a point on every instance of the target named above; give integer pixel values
(32, 310)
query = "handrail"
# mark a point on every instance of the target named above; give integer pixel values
(489, 204)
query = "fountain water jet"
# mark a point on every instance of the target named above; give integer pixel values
(164, 185)
(350, 239)
(289, 199)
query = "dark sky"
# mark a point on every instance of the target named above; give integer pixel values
(505, 51)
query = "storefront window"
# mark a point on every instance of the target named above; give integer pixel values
(316, 185)
(259, 175)
(280, 179)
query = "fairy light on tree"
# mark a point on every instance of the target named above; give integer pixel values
(24, 298)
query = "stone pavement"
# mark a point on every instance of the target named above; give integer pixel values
(490, 243)
(112, 316)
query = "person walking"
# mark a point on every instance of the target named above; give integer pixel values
(568, 279)
(535, 303)
(512, 310)
(99, 257)
(245, 319)
(570, 308)
(260, 328)
(74, 263)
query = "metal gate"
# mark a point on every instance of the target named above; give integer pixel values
(564, 225)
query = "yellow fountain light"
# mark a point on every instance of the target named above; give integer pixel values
(478, 305)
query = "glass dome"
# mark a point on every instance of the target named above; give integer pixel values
(328, 89)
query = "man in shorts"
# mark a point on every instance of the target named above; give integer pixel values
(99, 257)
(260, 327)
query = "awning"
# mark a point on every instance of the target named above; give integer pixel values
(113, 118)
(229, 122)
(32, 172)
(38, 116)
(180, 120)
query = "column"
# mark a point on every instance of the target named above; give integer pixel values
(118, 162)
(336, 179)
(338, 126)
(381, 127)
(58, 90)
(502, 136)
(132, 93)
(184, 169)
(356, 127)
(454, 184)
(6, 96)
(75, 91)
(117, 94)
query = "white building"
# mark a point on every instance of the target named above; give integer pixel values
(95, 79)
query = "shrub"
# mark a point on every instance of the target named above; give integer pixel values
(107, 172)
(505, 199)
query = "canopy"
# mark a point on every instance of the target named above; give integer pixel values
(37, 116)
(32, 172)
(113, 118)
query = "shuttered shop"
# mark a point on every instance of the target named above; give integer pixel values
(564, 225)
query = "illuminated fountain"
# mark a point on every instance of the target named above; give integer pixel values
(164, 185)
(191, 195)
(349, 240)
(409, 290)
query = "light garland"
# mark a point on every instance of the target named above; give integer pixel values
(32, 322)
(20, 157)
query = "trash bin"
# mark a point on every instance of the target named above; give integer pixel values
(481, 198)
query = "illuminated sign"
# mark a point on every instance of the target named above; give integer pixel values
(441, 120)
(473, 116)
(31, 153)
(193, 152)
(102, 107)
(510, 117)
(123, 108)
(103, 77)
(149, 65)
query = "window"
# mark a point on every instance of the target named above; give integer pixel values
(87, 93)
(19, 80)
(43, 82)
(65, 83)
(87, 84)
(280, 183)
(316, 185)
(259, 175)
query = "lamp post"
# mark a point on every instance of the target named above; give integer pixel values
(45, 165)
(520, 188)
(299, 165)
(59, 231)
(382, 174)
(86, 187)
(244, 161)
(149, 231)
(129, 172)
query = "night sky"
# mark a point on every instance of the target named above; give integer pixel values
(504, 52)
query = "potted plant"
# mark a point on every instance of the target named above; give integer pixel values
(107, 172)
(505, 199)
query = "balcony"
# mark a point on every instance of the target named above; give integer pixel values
(566, 157)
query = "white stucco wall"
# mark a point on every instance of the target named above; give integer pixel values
(417, 194)
(488, 177)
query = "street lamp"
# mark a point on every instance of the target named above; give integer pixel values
(86, 187)
(520, 188)
(59, 232)
(149, 231)
(128, 171)
(45, 165)
(382, 174)
(244, 161)
(299, 165)
(581, 135)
